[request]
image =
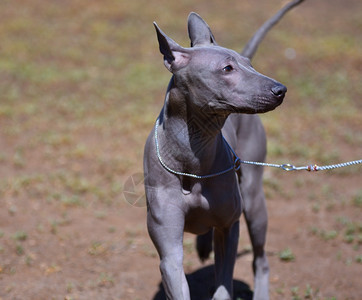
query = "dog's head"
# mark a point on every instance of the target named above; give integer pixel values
(217, 78)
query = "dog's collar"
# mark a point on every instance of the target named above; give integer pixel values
(235, 166)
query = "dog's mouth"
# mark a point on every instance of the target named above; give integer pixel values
(264, 104)
(255, 105)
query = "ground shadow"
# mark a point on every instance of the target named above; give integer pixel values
(201, 283)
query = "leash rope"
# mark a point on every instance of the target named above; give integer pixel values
(290, 167)
(237, 163)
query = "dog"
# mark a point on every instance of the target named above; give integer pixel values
(192, 174)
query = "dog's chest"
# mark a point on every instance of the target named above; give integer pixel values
(212, 203)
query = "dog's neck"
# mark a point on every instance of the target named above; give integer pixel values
(194, 133)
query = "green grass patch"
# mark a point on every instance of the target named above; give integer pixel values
(20, 236)
(287, 255)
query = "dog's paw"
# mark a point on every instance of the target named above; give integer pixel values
(221, 294)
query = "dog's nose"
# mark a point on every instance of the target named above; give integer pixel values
(279, 90)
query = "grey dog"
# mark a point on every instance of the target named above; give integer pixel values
(193, 179)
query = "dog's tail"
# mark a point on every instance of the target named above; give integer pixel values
(252, 45)
(204, 245)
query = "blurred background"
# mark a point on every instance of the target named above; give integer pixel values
(81, 84)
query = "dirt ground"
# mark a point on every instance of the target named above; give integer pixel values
(81, 83)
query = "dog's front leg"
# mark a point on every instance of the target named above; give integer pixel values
(226, 245)
(167, 237)
(257, 225)
(257, 221)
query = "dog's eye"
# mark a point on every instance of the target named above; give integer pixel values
(228, 68)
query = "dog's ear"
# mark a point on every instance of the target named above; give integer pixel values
(175, 57)
(199, 32)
